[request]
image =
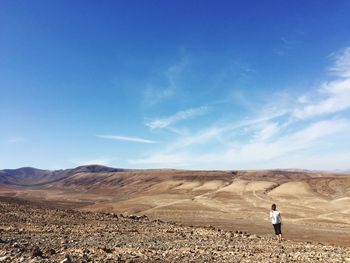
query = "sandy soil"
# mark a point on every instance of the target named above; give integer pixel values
(39, 232)
(314, 206)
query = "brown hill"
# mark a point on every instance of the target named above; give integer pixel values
(314, 205)
(28, 176)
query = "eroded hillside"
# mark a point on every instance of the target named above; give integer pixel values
(314, 205)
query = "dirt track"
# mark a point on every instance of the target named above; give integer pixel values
(314, 206)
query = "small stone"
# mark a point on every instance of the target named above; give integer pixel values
(113, 215)
(15, 245)
(228, 235)
(36, 252)
(51, 251)
(3, 258)
(66, 260)
(107, 250)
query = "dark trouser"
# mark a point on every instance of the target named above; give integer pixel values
(277, 228)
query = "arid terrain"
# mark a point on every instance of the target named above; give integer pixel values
(34, 232)
(314, 206)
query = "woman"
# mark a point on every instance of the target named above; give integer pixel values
(276, 219)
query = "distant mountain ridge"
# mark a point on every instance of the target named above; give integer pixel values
(29, 176)
(103, 177)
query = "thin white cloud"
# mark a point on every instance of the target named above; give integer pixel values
(15, 140)
(341, 67)
(177, 153)
(258, 151)
(336, 93)
(155, 94)
(303, 99)
(337, 99)
(164, 159)
(254, 151)
(306, 127)
(266, 131)
(286, 45)
(333, 161)
(126, 138)
(162, 123)
(216, 131)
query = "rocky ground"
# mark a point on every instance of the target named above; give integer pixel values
(39, 233)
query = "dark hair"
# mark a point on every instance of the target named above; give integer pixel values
(273, 207)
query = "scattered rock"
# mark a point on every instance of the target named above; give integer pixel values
(36, 252)
(107, 250)
(51, 251)
(113, 215)
(15, 245)
(66, 259)
(99, 237)
(4, 258)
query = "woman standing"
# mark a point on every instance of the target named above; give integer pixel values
(276, 220)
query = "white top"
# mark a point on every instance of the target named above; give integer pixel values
(275, 217)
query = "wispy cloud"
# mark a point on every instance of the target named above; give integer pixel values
(155, 95)
(216, 131)
(256, 152)
(336, 93)
(303, 126)
(337, 99)
(15, 140)
(178, 159)
(341, 67)
(286, 45)
(158, 93)
(266, 131)
(179, 152)
(125, 138)
(161, 123)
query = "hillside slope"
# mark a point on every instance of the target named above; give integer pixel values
(54, 235)
(314, 205)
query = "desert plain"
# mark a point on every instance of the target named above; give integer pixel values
(315, 208)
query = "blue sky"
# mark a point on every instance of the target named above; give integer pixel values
(175, 84)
